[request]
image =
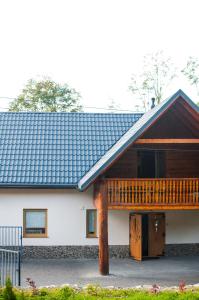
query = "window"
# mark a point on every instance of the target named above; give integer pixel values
(35, 223)
(91, 223)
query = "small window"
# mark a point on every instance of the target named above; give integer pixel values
(35, 223)
(91, 223)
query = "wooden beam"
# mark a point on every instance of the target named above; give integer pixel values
(167, 141)
(102, 205)
(153, 207)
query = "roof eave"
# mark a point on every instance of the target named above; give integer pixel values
(38, 186)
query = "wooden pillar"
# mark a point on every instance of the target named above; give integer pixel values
(101, 201)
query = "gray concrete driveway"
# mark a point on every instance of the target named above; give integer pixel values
(123, 272)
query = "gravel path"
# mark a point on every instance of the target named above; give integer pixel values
(123, 272)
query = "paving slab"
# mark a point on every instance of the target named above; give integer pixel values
(165, 271)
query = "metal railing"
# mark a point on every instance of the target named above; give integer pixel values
(10, 266)
(11, 237)
(10, 254)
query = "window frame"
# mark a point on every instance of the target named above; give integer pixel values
(35, 235)
(88, 234)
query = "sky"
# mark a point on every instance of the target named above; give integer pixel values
(93, 45)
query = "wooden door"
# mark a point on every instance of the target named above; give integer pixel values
(136, 236)
(156, 234)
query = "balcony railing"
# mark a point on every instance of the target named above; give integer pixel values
(167, 192)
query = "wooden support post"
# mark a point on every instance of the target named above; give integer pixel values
(101, 200)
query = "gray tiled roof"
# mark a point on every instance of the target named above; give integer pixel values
(55, 149)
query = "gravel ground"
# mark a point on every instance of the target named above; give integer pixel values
(123, 272)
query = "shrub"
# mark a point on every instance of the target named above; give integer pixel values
(8, 293)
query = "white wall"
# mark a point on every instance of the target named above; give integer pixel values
(182, 227)
(67, 218)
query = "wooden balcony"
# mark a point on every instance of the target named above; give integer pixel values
(153, 194)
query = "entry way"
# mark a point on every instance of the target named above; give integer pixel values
(147, 235)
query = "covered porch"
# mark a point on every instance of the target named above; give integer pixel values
(147, 181)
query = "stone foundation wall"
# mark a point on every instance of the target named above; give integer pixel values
(116, 251)
(182, 250)
(72, 251)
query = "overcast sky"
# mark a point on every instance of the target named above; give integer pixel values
(94, 45)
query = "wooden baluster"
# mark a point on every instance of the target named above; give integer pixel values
(166, 191)
(171, 187)
(129, 189)
(197, 190)
(135, 191)
(168, 184)
(145, 186)
(132, 192)
(159, 191)
(126, 188)
(124, 191)
(149, 191)
(187, 187)
(163, 191)
(139, 192)
(174, 186)
(121, 192)
(143, 192)
(188, 192)
(127, 192)
(114, 192)
(184, 190)
(181, 198)
(191, 190)
(154, 189)
(177, 191)
(118, 191)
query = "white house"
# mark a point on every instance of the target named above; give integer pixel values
(126, 182)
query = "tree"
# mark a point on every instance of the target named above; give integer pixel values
(158, 72)
(45, 95)
(191, 72)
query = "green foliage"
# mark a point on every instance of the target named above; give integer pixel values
(8, 293)
(65, 293)
(157, 73)
(46, 96)
(191, 71)
(94, 292)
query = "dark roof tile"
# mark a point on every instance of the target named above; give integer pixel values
(56, 148)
